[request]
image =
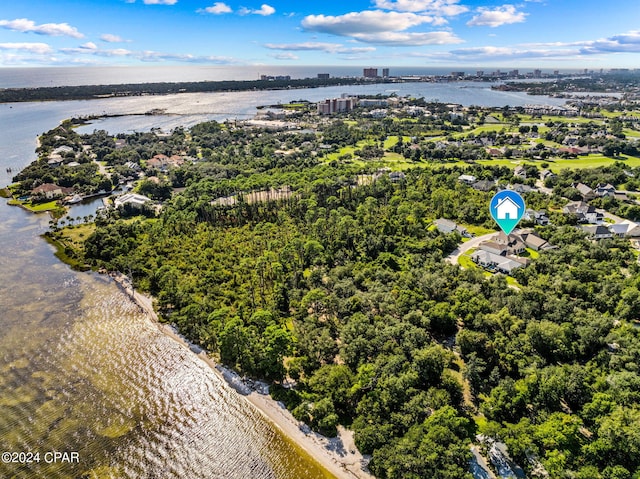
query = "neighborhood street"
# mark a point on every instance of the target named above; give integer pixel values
(464, 247)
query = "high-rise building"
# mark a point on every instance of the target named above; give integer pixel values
(324, 76)
(336, 105)
(385, 73)
(370, 73)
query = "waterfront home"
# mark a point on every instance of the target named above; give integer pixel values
(50, 191)
(132, 199)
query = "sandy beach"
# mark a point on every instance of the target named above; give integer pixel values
(337, 455)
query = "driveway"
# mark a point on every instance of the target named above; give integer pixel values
(466, 246)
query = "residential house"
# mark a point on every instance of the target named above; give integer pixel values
(512, 242)
(62, 150)
(520, 171)
(618, 229)
(54, 161)
(468, 179)
(538, 217)
(633, 229)
(533, 241)
(493, 247)
(447, 226)
(498, 263)
(484, 185)
(586, 192)
(133, 199)
(51, 191)
(521, 188)
(163, 162)
(397, 176)
(584, 212)
(605, 190)
(597, 232)
(544, 174)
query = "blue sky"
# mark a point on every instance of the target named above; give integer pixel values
(440, 33)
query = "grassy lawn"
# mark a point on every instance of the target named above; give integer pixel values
(631, 133)
(531, 253)
(37, 208)
(392, 141)
(513, 282)
(466, 262)
(75, 235)
(477, 230)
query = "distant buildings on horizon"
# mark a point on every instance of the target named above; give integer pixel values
(373, 73)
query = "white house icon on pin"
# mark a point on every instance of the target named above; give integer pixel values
(507, 209)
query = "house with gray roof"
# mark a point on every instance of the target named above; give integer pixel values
(597, 232)
(446, 226)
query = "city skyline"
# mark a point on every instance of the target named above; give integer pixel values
(545, 34)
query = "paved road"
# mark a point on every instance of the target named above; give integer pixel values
(612, 217)
(464, 247)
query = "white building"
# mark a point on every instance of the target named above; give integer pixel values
(133, 199)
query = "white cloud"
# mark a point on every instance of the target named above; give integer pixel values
(448, 8)
(217, 8)
(92, 50)
(265, 10)
(319, 46)
(29, 26)
(39, 48)
(503, 15)
(285, 56)
(109, 38)
(623, 43)
(160, 2)
(366, 22)
(409, 39)
(380, 27)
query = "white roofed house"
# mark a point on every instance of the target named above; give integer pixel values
(468, 179)
(496, 262)
(132, 199)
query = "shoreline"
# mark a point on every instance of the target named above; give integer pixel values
(339, 456)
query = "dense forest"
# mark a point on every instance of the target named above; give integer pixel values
(339, 295)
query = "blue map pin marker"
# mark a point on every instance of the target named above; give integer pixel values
(507, 209)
